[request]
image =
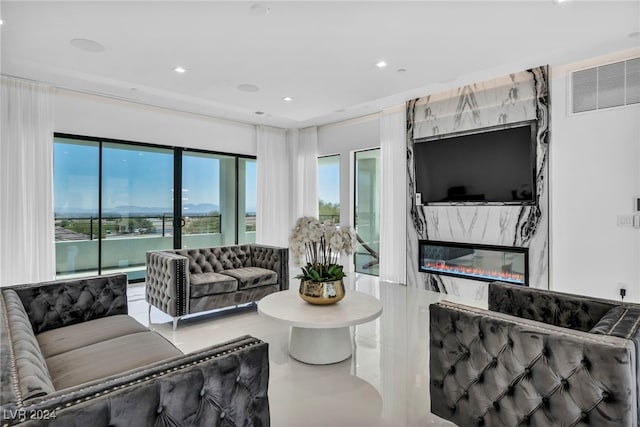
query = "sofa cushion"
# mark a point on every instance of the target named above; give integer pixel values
(217, 259)
(110, 357)
(69, 338)
(621, 321)
(204, 284)
(25, 356)
(252, 277)
(51, 305)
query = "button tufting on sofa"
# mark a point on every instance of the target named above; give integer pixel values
(187, 281)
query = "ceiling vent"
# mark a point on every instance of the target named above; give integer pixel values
(606, 86)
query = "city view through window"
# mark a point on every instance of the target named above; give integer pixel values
(329, 188)
(114, 201)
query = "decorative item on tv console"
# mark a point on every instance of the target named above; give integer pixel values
(320, 245)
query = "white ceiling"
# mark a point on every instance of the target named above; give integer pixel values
(321, 53)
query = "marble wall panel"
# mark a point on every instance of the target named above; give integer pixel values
(509, 99)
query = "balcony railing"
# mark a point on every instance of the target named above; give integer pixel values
(86, 228)
(334, 218)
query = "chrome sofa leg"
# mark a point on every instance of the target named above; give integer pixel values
(149, 315)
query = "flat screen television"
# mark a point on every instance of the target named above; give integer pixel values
(494, 165)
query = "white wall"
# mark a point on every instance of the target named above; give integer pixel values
(90, 115)
(595, 174)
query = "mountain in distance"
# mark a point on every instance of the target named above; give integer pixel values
(200, 208)
(189, 208)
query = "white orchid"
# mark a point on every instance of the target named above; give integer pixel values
(320, 244)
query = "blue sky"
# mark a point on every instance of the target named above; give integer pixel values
(329, 183)
(136, 177)
(141, 176)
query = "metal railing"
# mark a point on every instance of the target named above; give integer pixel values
(86, 228)
(334, 218)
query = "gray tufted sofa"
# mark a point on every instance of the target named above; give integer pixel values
(187, 281)
(71, 356)
(536, 357)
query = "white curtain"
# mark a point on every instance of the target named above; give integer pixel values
(274, 187)
(393, 192)
(27, 239)
(304, 165)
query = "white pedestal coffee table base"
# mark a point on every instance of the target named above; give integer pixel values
(320, 346)
(320, 335)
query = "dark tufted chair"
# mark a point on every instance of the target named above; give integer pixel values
(536, 357)
(187, 281)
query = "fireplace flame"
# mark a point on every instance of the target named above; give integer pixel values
(442, 267)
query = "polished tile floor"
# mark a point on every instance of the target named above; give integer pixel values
(385, 382)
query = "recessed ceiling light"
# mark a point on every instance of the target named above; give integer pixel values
(180, 70)
(635, 35)
(381, 64)
(559, 1)
(87, 45)
(259, 113)
(287, 99)
(248, 88)
(258, 9)
(1, 22)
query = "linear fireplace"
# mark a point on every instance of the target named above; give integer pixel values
(476, 262)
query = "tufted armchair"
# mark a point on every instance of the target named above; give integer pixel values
(187, 281)
(535, 357)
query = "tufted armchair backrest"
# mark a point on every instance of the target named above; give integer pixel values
(217, 259)
(554, 308)
(491, 369)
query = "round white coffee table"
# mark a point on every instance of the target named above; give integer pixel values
(320, 333)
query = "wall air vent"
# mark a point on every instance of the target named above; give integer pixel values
(606, 86)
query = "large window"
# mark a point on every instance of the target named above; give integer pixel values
(116, 200)
(329, 188)
(367, 210)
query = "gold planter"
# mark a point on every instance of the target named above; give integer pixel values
(322, 293)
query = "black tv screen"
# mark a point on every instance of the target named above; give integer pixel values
(492, 165)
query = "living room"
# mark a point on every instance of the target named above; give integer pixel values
(585, 244)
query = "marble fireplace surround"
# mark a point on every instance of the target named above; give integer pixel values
(509, 99)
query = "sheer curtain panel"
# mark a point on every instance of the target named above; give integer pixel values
(304, 149)
(274, 187)
(27, 248)
(393, 192)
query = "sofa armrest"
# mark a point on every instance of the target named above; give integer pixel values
(555, 308)
(51, 305)
(25, 367)
(499, 370)
(167, 282)
(272, 258)
(225, 384)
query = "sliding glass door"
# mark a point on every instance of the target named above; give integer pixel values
(137, 194)
(247, 200)
(114, 201)
(367, 210)
(208, 200)
(76, 183)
